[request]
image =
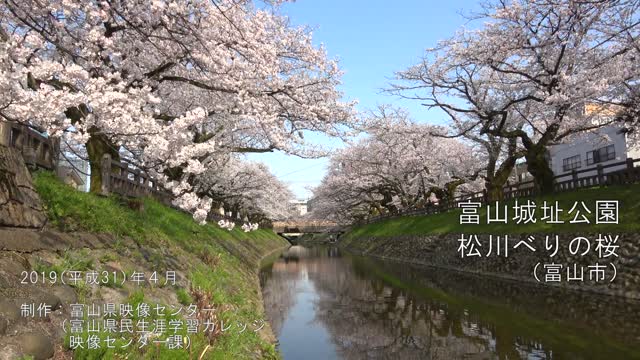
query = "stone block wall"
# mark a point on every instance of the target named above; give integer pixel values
(442, 251)
(20, 205)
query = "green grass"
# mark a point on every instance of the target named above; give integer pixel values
(72, 210)
(629, 217)
(184, 297)
(77, 261)
(120, 350)
(223, 262)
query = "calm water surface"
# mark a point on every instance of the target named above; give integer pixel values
(326, 305)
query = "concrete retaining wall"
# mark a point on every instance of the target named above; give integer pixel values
(442, 251)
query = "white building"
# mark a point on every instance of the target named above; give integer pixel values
(299, 207)
(520, 174)
(607, 145)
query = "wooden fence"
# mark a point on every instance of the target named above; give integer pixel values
(38, 151)
(596, 176)
(42, 152)
(119, 178)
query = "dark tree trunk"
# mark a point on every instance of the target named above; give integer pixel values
(494, 189)
(97, 146)
(538, 165)
(496, 179)
(452, 186)
(538, 159)
(495, 183)
(387, 202)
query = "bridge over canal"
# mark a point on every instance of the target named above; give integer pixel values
(292, 229)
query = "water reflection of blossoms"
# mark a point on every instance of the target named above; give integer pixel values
(409, 314)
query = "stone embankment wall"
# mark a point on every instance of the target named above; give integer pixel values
(20, 205)
(31, 251)
(29, 246)
(442, 251)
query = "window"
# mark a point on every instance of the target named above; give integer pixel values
(601, 155)
(571, 163)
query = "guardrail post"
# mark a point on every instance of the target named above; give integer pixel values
(105, 171)
(145, 185)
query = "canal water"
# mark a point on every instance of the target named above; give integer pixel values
(324, 304)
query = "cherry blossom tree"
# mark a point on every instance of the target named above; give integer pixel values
(244, 188)
(497, 153)
(529, 71)
(400, 165)
(168, 85)
(623, 28)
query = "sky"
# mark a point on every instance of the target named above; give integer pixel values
(372, 39)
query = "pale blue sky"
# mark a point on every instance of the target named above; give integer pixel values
(372, 39)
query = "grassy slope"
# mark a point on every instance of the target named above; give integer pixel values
(231, 282)
(629, 217)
